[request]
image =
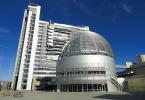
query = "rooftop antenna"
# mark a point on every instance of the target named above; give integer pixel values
(50, 22)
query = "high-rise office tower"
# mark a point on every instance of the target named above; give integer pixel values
(140, 58)
(40, 44)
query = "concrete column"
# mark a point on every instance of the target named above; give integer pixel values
(82, 88)
(87, 87)
(58, 88)
(77, 87)
(92, 88)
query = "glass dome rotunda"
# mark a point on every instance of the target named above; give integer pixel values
(87, 44)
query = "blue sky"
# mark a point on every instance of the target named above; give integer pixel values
(121, 22)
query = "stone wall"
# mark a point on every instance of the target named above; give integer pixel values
(135, 84)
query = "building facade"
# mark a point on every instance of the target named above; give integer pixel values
(134, 75)
(40, 44)
(140, 58)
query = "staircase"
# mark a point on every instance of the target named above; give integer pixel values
(117, 84)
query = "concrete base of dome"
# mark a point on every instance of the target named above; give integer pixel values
(86, 72)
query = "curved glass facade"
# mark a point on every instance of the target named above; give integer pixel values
(90, 44)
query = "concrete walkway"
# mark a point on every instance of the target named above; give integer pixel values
(39, 95)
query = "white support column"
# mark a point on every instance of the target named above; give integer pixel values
(33, 51)
(58, 88)
(19, 85)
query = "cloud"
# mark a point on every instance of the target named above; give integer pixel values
(4, 30)
(127, 8)
(3, 46)
(81, 6)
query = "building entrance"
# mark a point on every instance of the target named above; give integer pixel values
(83, 87)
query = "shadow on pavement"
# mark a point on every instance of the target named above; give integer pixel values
(128, 96)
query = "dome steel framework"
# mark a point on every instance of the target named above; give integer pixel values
(90, 43)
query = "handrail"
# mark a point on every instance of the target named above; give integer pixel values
(120, 86)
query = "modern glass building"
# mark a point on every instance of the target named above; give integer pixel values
(86, 64)
(84, 59)
(40, 44)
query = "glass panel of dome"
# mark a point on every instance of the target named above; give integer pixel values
(82, 45)
(92, 46)
(101, 46)
(97, 44)
(84, 38)
(75, 48)
(108, 48)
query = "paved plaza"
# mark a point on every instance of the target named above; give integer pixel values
(41, 95)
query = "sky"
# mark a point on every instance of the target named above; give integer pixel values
(121, 22)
